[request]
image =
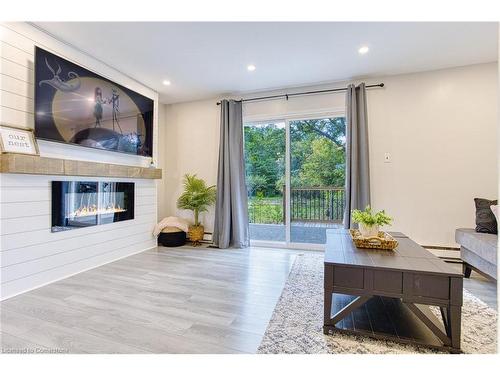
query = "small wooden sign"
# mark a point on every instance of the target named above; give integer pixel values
(17, 141)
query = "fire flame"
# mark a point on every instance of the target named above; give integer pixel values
(94, 210)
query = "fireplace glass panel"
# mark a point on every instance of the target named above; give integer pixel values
(77, 204)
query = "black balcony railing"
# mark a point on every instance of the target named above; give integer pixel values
(308, 204)
(324, 204)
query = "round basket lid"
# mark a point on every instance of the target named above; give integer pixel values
(171, 230)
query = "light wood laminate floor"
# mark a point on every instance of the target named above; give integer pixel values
(164, 300)
(481, 287)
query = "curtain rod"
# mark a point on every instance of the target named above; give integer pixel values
(301, 93)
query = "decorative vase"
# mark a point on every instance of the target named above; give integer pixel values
(196, 233)
(368, 230)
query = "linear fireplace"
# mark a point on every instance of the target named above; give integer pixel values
(77, 204)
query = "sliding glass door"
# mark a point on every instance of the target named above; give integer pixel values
(317, 178)
(295, 172)
(265, 152)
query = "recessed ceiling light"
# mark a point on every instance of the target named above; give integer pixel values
(166, 82)
(251, 67)
(363, 50)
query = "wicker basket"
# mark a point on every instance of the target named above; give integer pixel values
(172, 237)
(383, 241)
(196, 234)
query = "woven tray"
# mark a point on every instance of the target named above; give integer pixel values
(383, 241)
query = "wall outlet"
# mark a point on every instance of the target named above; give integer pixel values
(387, 157)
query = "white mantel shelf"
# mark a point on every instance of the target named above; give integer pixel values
(37, 165)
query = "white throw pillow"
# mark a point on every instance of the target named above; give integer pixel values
(495, 211)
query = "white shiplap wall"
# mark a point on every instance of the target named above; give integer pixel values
(30, 255)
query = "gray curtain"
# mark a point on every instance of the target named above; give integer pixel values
(231, 209)
(357, 193)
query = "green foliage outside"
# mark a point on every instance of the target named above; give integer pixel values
(264, 159)
(317, 150)
(265, 210)
(317, 155)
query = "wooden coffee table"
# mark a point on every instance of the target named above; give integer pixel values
(386, 294)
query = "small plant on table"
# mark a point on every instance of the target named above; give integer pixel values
(369, 222)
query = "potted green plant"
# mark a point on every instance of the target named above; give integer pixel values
(197, 197)
(369, 222)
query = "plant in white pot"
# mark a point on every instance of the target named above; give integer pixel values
(369, 222)
(197, 197)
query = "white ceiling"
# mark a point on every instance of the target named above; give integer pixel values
(204, 60)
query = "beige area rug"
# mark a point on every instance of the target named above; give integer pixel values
(297, 322)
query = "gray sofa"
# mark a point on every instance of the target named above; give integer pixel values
(479, 251)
